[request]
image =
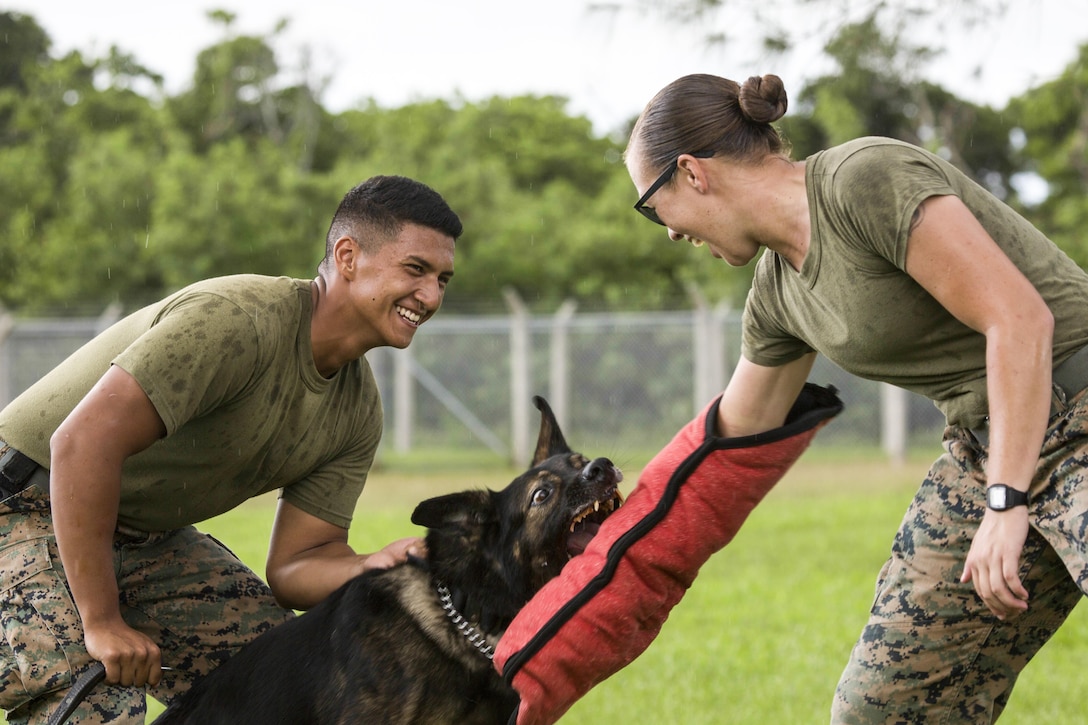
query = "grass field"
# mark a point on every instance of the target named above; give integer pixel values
(764, 633)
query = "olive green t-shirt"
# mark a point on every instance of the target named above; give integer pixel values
(228, 365)
(853, 302)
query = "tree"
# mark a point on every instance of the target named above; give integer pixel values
(230, 95)
(95, 250)
(870, 94)
(35, 144)
(114, 192)
(776, 28)
(236, 210)
(238, 91)
(1053, 124)
(67, 145)
(25, 44)
(545, 203)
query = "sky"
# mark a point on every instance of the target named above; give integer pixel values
(608, 57)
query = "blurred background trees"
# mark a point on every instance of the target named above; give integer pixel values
(114, 191)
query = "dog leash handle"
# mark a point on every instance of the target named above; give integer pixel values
(86, 682)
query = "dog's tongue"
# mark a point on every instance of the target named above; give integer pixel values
(579, 539)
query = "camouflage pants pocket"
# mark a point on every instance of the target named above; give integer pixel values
(931, 651)
(36, 618)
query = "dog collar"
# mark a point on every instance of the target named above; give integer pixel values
(476, 638)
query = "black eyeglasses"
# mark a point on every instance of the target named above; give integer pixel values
(648, 211)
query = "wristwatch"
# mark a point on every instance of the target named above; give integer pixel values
(1001, 497)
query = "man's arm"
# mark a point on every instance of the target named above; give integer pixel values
(114, 421)
(309, 558)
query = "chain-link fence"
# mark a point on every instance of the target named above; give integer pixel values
(621, 383)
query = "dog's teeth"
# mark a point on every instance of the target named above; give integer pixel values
(596, 505)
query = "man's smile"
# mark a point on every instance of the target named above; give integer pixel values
(414, 317)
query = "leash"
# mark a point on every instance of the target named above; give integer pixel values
(79, 691)
(86, 682)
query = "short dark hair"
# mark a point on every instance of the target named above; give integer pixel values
(377, 209)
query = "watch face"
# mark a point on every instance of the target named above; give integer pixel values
(997, 496)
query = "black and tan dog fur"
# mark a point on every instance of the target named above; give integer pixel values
(383, 649)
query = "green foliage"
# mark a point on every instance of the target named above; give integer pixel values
(113, 195)
(23, 205)
(102, 234)
(546, 205)
(24, 43)
(873, 94)
(228, 93)
(232, 211)
(1054, 121)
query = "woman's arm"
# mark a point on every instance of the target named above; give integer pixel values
(758, 398)
(956, 261)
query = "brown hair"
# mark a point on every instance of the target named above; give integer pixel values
(705, 113)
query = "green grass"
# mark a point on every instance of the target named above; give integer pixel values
(765, 631)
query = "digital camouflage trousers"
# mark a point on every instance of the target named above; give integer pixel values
(931, 652)
(182, 588)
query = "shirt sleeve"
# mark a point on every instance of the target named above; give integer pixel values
(200, 352)
(763, 340)
(331, 492)
(877, 191)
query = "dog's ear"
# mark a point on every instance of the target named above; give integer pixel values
(466, 507)
(550, 441)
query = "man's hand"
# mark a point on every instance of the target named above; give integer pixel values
(395, 553)
(993, 563)
(131, 659)
(114, 421)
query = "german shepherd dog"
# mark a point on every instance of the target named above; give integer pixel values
(413, 644)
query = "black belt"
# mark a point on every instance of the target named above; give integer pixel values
(1068, 379)
(1071, 376)
(16, 471)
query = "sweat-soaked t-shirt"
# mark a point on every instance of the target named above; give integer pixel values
(853, 301)
(228, 365)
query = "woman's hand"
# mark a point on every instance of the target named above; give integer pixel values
(993, 563)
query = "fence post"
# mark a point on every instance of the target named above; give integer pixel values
(893, 422)
(701, 349)
(718, 367)
(110, 315)
(7, 324)
(403, 400)
(559, 362)
(521, 444)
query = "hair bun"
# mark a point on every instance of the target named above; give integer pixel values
(763, 99)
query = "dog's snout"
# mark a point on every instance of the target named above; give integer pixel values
(599, 468)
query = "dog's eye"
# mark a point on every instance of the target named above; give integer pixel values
(541, 495)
